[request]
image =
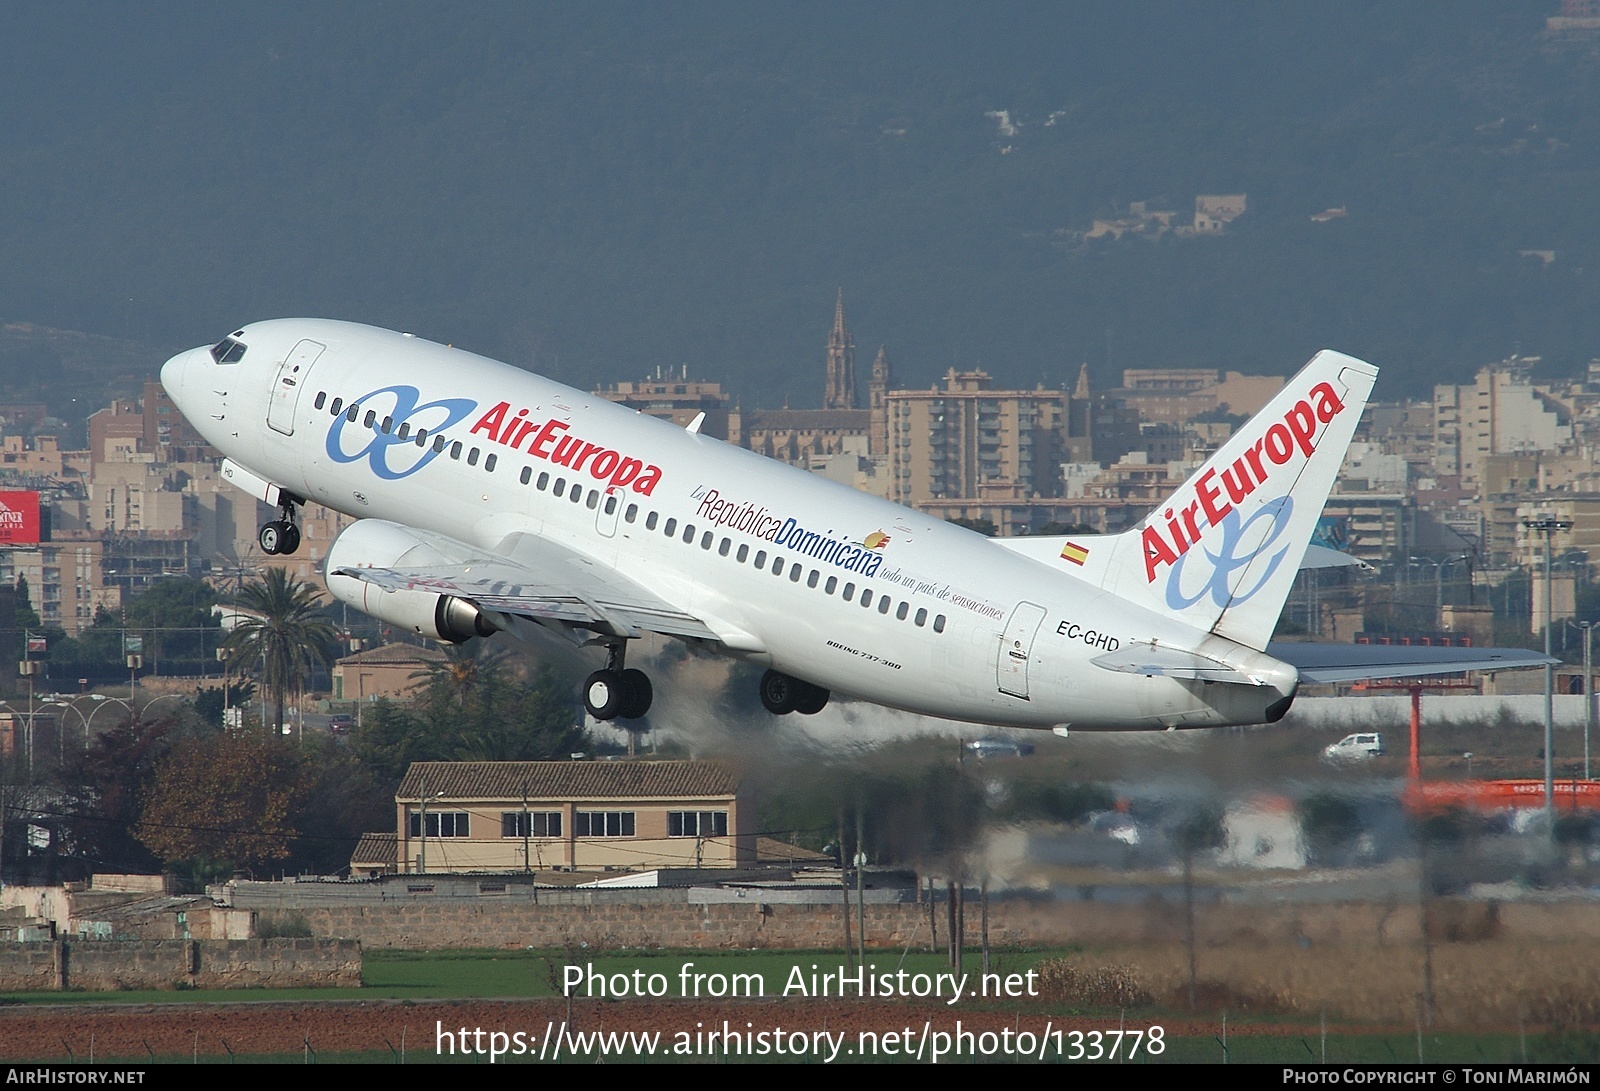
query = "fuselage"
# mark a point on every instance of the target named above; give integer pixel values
(834, 586)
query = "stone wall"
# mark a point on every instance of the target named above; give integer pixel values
(456, 924)
(662, 924)
(168, 964)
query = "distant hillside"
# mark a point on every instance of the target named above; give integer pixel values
(594, 190)
(73, 373)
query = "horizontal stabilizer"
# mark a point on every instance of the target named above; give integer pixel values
(1323, 557)
(1359, 662)
(1153, 660)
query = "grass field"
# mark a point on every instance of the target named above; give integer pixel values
(446, 975)
(414, 984)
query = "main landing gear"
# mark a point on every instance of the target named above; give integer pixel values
(617, 692)
(281, 535)
(781, 694)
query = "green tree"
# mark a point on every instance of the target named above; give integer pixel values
(106, 785)
(176, 618)
(460, 671)
(473, 709)
(343, 799)
(282, 635)
(1053, 801)
(27, 617)
(225, 799)
(509, 719)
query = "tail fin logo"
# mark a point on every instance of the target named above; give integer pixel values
(1227, 561)
(1217, 496)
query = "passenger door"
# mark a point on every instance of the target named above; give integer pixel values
(1016, 646)
(287, 384)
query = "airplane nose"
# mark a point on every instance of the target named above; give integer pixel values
(172, 373)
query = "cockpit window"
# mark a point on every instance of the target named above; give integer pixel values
(228, 351)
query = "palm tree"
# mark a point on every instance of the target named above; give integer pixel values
(282, 631)
(462, 670)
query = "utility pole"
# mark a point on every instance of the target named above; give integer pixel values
(1548, 525)
(422, 808)
(26, 668)
(861, 899)
(844, 889)
(1588, 689)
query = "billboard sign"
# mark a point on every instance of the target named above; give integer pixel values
(19, 518)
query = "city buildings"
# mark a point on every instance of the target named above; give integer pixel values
(1433, 493)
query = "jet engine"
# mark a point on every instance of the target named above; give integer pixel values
(376, 543)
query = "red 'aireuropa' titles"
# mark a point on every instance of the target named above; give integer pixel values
(1276, 446)
(549, 441)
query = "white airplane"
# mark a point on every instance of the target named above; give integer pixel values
(493, 500)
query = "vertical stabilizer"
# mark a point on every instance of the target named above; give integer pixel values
(1221, 553)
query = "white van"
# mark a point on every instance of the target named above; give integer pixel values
(1357, 747)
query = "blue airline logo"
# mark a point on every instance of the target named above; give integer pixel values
(389, 456)
(1217, 574)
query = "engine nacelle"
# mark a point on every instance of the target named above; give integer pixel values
(376, 543)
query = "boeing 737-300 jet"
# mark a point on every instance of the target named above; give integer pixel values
(491, 500)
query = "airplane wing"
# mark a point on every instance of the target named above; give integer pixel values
(531, 576)
(1321, 662)
(1357, 662)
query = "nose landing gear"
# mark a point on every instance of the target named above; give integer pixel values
(281, 535)
(617, 692)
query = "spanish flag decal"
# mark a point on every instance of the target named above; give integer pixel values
(1075, 553)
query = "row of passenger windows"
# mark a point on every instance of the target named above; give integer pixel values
(404, 432)
(795, 570)
(830, 586)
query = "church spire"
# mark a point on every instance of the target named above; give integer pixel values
(1083, 381)
(878, 404)
(841, 389)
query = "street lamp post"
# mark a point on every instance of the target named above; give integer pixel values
(88, 725)
(27, 669)
(1439, 565)
(1548, 525)
(157, 700)
(62, 733)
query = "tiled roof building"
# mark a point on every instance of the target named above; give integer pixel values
(494, 816)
